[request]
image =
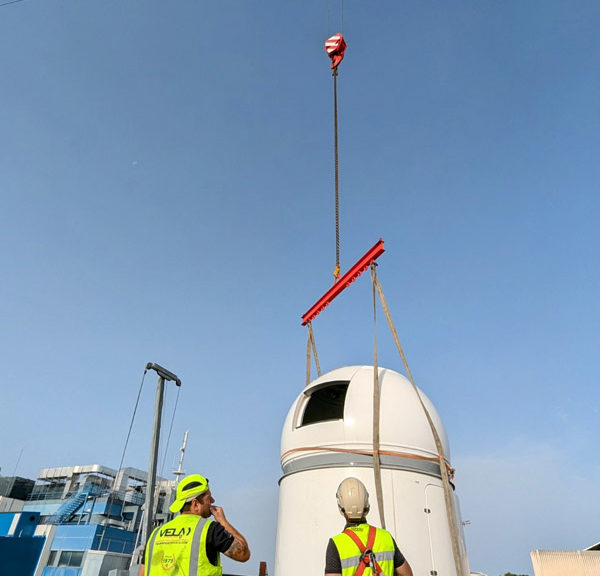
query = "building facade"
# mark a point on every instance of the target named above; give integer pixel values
(77, 520)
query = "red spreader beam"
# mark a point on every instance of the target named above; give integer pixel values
(344, 282)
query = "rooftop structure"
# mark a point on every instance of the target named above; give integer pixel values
(87, 516)
(561, 562)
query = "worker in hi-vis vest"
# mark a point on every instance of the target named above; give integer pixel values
(361, 549)
(191, 543)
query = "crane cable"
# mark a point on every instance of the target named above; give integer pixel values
(450, 508)
(329, 17)
(336, 272)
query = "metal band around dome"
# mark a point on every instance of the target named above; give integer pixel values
(343, 460)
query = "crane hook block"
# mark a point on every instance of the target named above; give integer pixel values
(335, 48)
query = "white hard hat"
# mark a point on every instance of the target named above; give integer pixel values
(353, 499)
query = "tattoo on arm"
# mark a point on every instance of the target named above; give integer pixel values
(238, 551)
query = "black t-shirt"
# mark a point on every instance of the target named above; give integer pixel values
(333, 564)
(218, 540)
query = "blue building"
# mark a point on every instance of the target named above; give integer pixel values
(20, 549)
(79, 520)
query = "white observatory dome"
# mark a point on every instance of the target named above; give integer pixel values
(336, 412)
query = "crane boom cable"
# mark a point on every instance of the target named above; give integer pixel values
(335, 46)
(337, 192)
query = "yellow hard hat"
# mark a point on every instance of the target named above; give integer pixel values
(188, 489)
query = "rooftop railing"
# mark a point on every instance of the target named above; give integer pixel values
(126, 496)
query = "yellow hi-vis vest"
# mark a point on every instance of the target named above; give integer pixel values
(178, 548)
(351, 556)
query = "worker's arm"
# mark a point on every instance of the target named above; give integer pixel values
(141, 570)
(403, 570)
(238, 550)
(326, 574)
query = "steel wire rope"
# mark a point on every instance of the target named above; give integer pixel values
(112, 492)
(336, 272)
(329, 17)
(337, 193)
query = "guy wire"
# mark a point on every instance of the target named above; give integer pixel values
(112, 492)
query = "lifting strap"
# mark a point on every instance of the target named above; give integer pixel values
(310, 345)
(376, 417)
(367, 558)
(460, 569)
(369, 453)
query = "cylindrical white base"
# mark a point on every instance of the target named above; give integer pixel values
(415, 514)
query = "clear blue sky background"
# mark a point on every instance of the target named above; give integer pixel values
(166, 172)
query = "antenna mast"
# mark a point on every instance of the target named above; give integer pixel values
(179, 472)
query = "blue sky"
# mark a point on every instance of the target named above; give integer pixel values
(166, 173)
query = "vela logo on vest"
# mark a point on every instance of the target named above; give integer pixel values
(173, 532)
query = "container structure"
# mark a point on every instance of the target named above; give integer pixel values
(328, 436)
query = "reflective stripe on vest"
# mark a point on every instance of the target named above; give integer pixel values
(350, 555)
(354, 561)
(178, 548)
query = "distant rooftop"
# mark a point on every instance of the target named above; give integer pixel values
(16, 487)
(69, 471)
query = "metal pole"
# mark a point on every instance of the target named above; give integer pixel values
(148, 506)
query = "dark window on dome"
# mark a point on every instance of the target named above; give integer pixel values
(326, 403)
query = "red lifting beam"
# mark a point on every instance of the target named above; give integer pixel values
(344, 282)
